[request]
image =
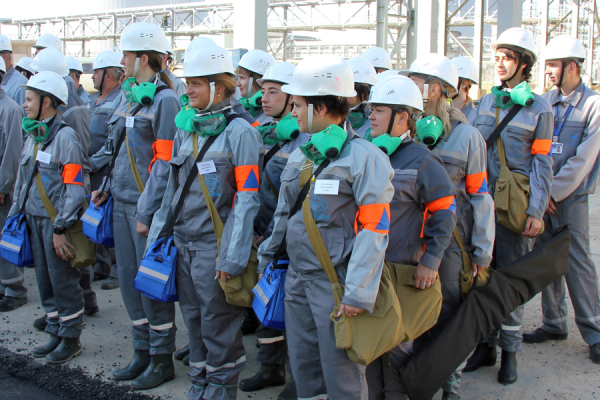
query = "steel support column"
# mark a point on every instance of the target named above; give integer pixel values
(575, 18)
(382, 23)
(250, 24)
(543, 40)
(478, 41)
(510, 14)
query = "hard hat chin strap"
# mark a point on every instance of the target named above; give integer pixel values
(310, 118)
(102, 80)
(136, 67)
(249, 90)
(391, 124)
(562, 74)
(39, 113)
(212, 96)
(285, 105)
(516, 70)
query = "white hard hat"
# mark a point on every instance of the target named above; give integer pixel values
(204, 61)
(386, 74)
(5, 44)
(436, 66)
(397, 91)
(322, 75)
(2, 65)
(466, 68)
(50, 59)
(107, 59)
(51, 83)
(74, 64)
(48, 41)
(143, 36)
(518, 39)
(257, 61)
(563, 47)
(200, 41)
(364, 72)
(25, 63)
(168, 47)
(281, 72)
(378, 57)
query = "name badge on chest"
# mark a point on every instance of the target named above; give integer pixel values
(206, 167)
(129, 122)
(43, 157)
(327, 186)
(557, 148)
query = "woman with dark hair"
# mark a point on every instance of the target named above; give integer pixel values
(349, 195)
(138, 181)
(364, 78)
(250, 70)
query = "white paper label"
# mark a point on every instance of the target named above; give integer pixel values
(557, 148)
(327, 186)
(43, 157)
(206, 167)
(129, 122)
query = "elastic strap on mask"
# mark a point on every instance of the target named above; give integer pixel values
(310, 118)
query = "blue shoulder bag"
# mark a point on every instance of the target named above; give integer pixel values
(15, 246)
(156, 276)
(269, 293)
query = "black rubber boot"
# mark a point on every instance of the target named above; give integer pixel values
(9, 303)
(267, 375)
(180, 354)
(137, 365)
(186, 360)
(483, 356)
(68, 348)
(91, 310)
(540, 336)
(595, 353)
(49, 347)
(250, 322)
(450, 396)
(110, 284)
(508, 368)
(40, 324)
(289, 393)
(160, 370)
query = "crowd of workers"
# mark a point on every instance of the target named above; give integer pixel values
(392, 170)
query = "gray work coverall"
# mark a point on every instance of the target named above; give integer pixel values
(11, 84)
(11, 144)
(364, 174)
(575, 178)
(177, 84)
(366, 126)
(58, 281)
(527, 139)
(216, 348)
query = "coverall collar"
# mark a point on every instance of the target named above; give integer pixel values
(572, 99)
(54, 128)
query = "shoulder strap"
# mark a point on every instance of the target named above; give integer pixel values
(499, 142)
(499, 128)
(136, 174)
(168, 227)
(271, 153)
(467, 264)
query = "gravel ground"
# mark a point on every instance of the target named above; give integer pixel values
(551, 370)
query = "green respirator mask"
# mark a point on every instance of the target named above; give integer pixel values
(520, 94)
(142, 93)
(252, 104)
(29, 125)
(429, 130)
(206, 124)
(388, 144)
(325, 145)
(357, 119)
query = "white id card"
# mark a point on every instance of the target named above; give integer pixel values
(557, 148)
(129, 122)
(327, 186)
(206, 167)
(43, 157)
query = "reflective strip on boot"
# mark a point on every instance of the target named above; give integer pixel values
(555, 321)
(198, 365)
(52, 314)
(9, 281)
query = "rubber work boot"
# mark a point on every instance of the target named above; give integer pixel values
(40, 324)
(595, 353)
(186, 360)
(100, 277)
(508, 368)
(49, 347)
(68, 348)
(250, 322)
(483, 356)
(267, 375)
(289, 393)
(160, 370)
(137, 365)
(540, 336)
(91, 310)
(450, 396)
(9, 303)
(180, 354)
(110, 283)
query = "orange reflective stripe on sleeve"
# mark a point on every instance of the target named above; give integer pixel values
(255, 124)
(163, 149)
(445, 203)
(477, 183)
(373, 217)
(246, 177)
(73, 174)
(541, 146)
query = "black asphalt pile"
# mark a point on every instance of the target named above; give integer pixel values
(64, 381)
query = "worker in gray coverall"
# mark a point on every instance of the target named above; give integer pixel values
(467, 74)
(251, 68)
(13, 293)
(527, 141)
(284, 136)
(55, 151)
(575, 148)
(107, 72)
(138, 188)
(322, 370)
(217, 353)
(178, 84)
(12, 80)
(364, 78)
